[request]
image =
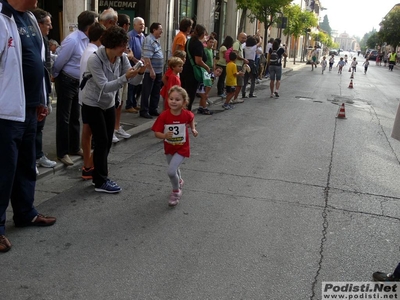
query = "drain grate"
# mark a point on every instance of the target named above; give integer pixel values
(304, 98)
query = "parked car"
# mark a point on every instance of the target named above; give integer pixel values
(372, 55)
(333, 51)
(367, 52)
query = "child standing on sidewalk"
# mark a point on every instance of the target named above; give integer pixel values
(231, 82)
(366, 64)
(171, 126)
(176, 66)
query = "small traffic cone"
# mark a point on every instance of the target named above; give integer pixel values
(351, 84)
(352, 75)
(341, 112)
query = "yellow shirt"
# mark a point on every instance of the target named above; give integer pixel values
(231, 71)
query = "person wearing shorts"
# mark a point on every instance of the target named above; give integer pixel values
(314, 56)
(275, 69)
(232, 75)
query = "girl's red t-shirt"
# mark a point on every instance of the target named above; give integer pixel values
(179, 143)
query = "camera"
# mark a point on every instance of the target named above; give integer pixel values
(138, 65)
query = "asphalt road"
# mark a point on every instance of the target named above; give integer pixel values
(279, 196)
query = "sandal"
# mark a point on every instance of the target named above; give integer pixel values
(5, 244)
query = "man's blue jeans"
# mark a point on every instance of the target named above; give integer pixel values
(18, 168)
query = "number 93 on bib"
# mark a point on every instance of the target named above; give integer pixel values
(179, 133)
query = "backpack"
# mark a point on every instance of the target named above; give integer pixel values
(227, 52)
(274, 58)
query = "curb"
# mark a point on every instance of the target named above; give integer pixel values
(140, 129)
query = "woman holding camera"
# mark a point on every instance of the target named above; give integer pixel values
(108, 69)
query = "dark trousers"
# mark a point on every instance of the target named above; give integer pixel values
(190, 85)
(252, 76)
(133, 94)
(101, 123)
(221, 81)
(18, 172)
(151, 90)
(67, 115)
(39, 138)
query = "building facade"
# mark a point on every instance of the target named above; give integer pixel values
(347, 42)
(220, 16)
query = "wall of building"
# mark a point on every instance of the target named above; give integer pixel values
(163, 12)
(71, 11)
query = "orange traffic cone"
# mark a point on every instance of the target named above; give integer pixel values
(351, 84)
(341, 112)
(352, 75)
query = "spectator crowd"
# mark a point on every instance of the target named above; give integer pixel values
(100, 70)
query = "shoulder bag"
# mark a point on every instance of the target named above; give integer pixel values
(200, 74)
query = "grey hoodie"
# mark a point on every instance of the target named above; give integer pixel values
(100, 90)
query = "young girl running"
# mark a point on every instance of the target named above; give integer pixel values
(340, 64)
(331, 62)
(366, 64)
(171, 126)
(323, 64)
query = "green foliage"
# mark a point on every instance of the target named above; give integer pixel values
(373, 40)
(325, 25)
(323, 38)
(263, 10)
(390, 32)
(298, 21)
(363, 42)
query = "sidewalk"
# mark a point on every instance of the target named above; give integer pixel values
(132, 123)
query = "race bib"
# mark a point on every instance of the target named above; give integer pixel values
(179, 136)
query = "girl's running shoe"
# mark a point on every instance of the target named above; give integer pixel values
(175, 197)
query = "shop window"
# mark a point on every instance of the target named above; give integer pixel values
(188, 9)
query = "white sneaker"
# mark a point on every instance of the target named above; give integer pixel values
(45, 162)
(234, 101)
(115, 139)
(122, 133)
(37, 171)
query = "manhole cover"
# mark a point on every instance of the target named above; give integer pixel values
(341, 99)
(304, 98)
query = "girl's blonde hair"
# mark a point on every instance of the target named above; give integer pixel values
(181, 91)
(180, 53)
(175, 61)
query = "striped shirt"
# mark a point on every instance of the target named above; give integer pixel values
(152, 49)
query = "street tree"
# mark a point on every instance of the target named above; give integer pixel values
(299, 23)
(265, 11)
(324, 25)
(324, 39)
(363, 42)
(374, 40)
(390, 25)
